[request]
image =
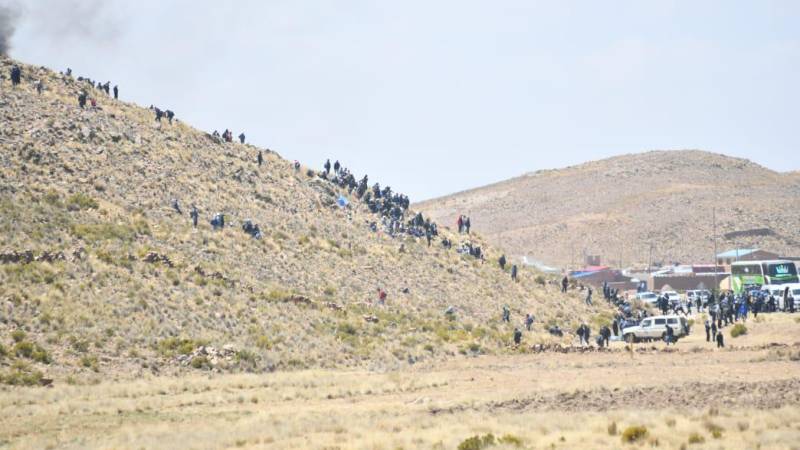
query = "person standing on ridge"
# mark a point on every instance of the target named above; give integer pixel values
(241, 138)
(116, 92)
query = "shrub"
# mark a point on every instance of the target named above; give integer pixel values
(263, 342)
(79, 345)
(477, 442)
(40, 355)
(247, 357)
(696, 438)
(176, 346)
(24, 349)
(635, 433)
(348, 328)
(51, 197)
(3, 351)
(511, 440)
(612, 429)
(738, 330)
(77, 202)
(714, 429)
(18, 335)
(200, 362)
(90, 362)
(103, 232)
(21, 375)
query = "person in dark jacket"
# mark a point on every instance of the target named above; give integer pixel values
(502, 262)
(241, 138)
(720, 340)
(517, 336)
(669, 335)
(708, 330)
(528, 321)
(514, 272)
(564, 284)
(327, 166)
(16, 75)
(605, 333)
(260, 158)
(194, 214)
(116, 92)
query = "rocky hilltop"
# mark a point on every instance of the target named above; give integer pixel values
(100, 274)
(619, 207)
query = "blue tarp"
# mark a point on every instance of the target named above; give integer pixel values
(342, 201)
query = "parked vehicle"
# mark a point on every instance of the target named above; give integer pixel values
(655, 327)
(673, 297)
(703, 294)
(647, 297)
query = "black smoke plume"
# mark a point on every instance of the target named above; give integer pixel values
(8, 23)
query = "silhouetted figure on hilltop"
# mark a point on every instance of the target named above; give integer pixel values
(241, 138)
(116, 92)
(260, 158)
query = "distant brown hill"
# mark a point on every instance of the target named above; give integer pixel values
(619, 207)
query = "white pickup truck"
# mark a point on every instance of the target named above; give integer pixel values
(655, 327)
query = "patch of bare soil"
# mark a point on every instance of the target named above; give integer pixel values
(759, 395)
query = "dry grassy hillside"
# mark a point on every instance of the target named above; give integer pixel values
(117, 282)
(619, 206)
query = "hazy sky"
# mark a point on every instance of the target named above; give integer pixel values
(432, 97)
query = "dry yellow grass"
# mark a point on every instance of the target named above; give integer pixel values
(560, 401)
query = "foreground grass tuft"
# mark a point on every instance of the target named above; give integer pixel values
(634, 434)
